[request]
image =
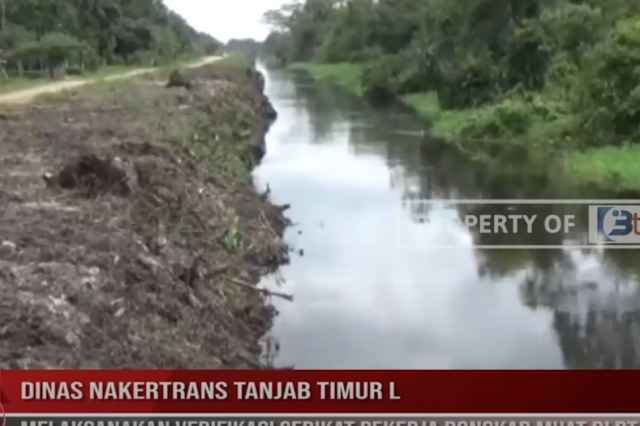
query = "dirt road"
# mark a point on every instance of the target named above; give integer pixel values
(26, 95)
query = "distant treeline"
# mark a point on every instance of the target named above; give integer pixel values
(44, 34)
(247, 46)
(570, 67)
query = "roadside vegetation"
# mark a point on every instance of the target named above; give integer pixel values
(554, 83)
(41, 39)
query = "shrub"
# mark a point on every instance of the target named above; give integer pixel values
(511, 117)
(378, 81)
(468, 85)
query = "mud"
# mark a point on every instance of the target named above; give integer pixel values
(131, 235)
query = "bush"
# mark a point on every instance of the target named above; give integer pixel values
(416, 71)
(563, 71)
(378, 81)
(468, 85)
(509, 118)
(179, 78)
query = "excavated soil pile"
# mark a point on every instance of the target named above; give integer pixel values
(131, 235)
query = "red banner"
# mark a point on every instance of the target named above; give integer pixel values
(218, 391)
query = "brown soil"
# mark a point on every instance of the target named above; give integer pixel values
(131, 234)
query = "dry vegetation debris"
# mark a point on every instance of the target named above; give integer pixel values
(131, 235)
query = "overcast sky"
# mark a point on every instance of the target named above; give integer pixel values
(225, 19)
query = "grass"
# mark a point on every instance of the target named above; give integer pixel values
(613, 168)
(108, 70)
(444, 124)
(230, 62)
(345, 75)
(234, 63)
(609, 168)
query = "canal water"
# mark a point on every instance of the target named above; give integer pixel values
(376, 281)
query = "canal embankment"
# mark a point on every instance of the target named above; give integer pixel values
(534, 132)
(132, 234)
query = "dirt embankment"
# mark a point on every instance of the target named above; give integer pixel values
(131, 235)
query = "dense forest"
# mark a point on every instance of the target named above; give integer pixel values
(536, 73)
(43, 34)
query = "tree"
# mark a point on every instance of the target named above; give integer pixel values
(117, 31)
(58, 48)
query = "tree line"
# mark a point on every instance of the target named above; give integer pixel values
(574, 64)
(44, 34)
(247, 46)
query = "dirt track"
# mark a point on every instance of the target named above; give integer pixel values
(26, 95)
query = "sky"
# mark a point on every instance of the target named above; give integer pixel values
(225, 19)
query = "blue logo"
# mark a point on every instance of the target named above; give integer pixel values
(618, 224)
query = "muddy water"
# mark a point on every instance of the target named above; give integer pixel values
(372, 290)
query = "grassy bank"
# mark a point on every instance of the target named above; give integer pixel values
(345, 75)
(606, 168)
(134, 203)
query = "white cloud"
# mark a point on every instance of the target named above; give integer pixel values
(225, 19)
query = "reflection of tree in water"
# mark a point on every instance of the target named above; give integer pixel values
(626, 261)
(326, 107)
(597, 320)
(468, 179)
(446, 175)
(498, 263)
(602, 340)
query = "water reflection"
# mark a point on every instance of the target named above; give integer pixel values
(353, 175)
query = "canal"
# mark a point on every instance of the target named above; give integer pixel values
(377, 285)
